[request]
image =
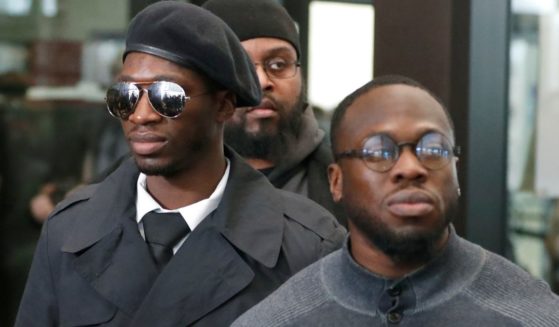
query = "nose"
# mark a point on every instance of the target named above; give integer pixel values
(144, 113)
(408, 168)
(266, 83)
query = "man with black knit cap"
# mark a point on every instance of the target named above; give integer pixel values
(185, 233)
(280, 135)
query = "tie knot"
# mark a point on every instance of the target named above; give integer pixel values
(164, 228)
(162, 231)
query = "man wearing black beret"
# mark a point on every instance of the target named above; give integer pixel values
(185, 233)
(280, 135)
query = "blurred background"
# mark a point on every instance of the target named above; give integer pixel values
(494, 63)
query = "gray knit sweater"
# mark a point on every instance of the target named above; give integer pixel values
(464, 286)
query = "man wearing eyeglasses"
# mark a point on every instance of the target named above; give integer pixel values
(185, 233)
(279, 136)
(403, 263)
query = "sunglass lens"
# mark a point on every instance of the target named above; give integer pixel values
(121, 99)
(167, 98)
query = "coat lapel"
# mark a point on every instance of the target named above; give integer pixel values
(108, 249)
(206, 272)
(209, 269)
(252, 213)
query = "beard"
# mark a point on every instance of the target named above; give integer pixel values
(266, 144)
(155, 169)
(402, 247)
(172, 166)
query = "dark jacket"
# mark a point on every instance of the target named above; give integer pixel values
(304, 168)
(92, 267)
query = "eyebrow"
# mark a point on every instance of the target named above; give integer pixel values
(281, 50)
(422, 133)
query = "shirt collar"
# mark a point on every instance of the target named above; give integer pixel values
(193, 214)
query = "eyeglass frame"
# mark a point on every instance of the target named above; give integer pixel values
(145, 90)
(265, 67)
(364, 153)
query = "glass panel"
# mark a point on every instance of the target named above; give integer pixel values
(340, 50)
(15, 7)
(55, 132)
(533, 180)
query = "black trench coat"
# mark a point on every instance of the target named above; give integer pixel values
(92, 267)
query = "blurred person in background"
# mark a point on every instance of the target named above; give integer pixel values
(280, 136)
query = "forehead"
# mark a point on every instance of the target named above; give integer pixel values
(262, 47)
(143, 67)
(401, 111)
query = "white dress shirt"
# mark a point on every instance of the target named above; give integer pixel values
(192, 214)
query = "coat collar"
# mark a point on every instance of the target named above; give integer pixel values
(111, 255)
(250, 214)
(108, 203)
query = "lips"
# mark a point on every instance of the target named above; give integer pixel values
(265, 109)
(410, 203)
(265, 104)
(146, 144)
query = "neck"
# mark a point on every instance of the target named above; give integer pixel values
(188, 187)
(258, 164)
(376, 261)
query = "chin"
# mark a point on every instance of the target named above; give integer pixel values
(154, 167)
(414, 241)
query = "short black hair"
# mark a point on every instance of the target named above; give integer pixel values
(384, 80)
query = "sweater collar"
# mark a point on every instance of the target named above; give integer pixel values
(439, 280)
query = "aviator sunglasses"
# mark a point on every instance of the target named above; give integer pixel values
(380, 152)
(166, 98)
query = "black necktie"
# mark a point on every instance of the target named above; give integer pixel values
(162, 232)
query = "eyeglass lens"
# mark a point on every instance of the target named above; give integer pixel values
(280, 68)
(381, 153)
(166, 98)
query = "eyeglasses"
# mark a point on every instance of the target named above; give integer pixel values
(278, 68)
(380, 152)
(166, 98)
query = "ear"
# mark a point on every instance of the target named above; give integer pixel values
(455, 173)
(335, 177)
(227, 107)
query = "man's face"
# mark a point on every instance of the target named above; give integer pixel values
(405, 211)
(166, 146)
(255, 132)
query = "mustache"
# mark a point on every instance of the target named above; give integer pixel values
(141, 133)
(266, 103)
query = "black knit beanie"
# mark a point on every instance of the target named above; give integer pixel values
(250, 19)
(196, 39)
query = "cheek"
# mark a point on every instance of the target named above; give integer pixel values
(126, 127)
(447, 188)
(290, 91)
(363, 187)
(190, 126)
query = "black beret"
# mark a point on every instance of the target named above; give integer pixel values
(250, 19)
(193, 37)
